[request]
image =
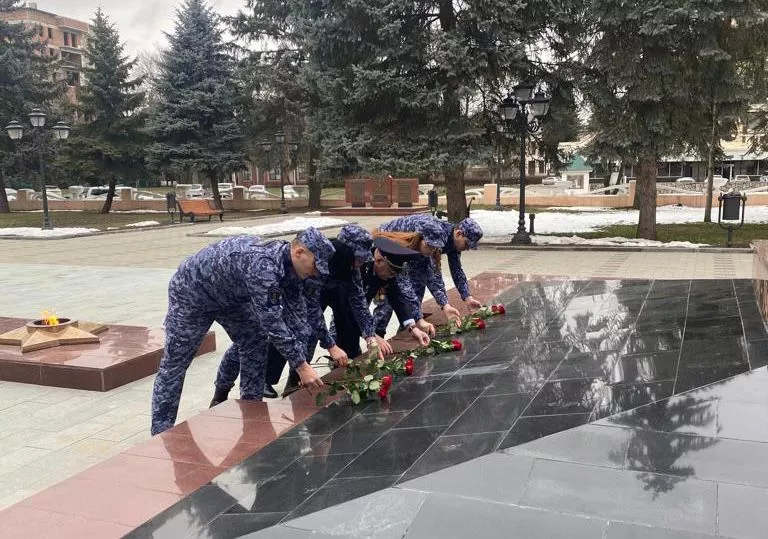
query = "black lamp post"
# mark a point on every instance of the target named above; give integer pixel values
(60, 132)
(280, 140)
(521, 111)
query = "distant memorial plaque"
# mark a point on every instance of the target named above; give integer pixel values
(404, 197)
(357, 192)
(381, 193)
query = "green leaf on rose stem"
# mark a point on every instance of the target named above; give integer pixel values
(355, 397)
(374, 385)
(368, 378)
(320, 399)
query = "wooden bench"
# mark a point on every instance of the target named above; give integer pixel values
(197, 207)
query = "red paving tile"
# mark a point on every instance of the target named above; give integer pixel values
(151, 473)
(275, 411)
(18, 522)
(102, 501)
(200, 450)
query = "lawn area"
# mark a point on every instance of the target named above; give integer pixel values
(708, 233)
(82, 219)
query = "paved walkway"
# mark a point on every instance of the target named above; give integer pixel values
(48, 434)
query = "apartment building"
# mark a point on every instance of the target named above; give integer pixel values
(64, 38)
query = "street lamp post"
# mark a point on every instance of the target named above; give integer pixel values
(60, 132)
(521, 111)
(280, 139)
(266, 146)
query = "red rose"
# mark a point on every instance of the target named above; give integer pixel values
(502, 310)
(409, 360)
(383, 393)
(479, 323)
(456, 345)
(386, 381)
(494, 308)
(409, 369)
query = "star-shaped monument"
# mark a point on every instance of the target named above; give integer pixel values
(38, 336)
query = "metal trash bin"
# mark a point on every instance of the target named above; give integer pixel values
(432, 199)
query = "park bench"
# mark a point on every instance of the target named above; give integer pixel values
(194, 207)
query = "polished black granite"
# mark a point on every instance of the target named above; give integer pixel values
(565, 355)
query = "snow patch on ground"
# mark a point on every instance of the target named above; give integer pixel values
(139, 211)
(28, 232)
(495, 223)
(143, 223)
(626, 242)
(289, 226)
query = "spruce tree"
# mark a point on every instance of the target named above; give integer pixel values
(110, 141)
(25, 83)
(654, 73)
(193, 126)
(405, 88)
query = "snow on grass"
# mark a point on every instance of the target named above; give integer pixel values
(29, 232)
(288, 226)
(626, 242)
(496, 223)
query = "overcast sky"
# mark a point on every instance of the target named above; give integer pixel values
(141, 22)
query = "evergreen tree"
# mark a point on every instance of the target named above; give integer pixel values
(405, 88)
(194, 125)
(652, 81)
(274, 96)
(25, 83)
(110, 142)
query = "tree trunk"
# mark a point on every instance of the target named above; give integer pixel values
(315, 184)
(711, 166)
(454, 188)
(4, 207)
(646, 189)
(214, 176)
(636, 201)
(454, 175)
(107, 207)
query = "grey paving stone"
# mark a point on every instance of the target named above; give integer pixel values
(495, 477)
(450, 517)
(644, 498)
(741, 511)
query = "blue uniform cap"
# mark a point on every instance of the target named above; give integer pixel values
(432, 233)
(471, 231)
(320, 246)
(359, 240)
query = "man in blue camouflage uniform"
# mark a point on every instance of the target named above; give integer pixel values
(342, 290)
(255, 290)
(352, 248)
(423, 272)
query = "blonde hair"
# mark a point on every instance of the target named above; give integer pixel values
(411, 240)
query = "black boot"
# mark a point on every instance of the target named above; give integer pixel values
(219, 396)
(269, 392)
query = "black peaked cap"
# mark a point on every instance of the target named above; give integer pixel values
(395, 252)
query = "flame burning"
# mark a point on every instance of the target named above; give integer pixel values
(49, 318)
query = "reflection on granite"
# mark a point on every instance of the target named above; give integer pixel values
(566, 354)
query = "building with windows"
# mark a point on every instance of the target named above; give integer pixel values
(63, 38)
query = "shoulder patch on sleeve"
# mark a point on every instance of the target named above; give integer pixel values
(274, 295)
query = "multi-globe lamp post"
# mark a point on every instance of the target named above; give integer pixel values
(521, 111)
(60, 132)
